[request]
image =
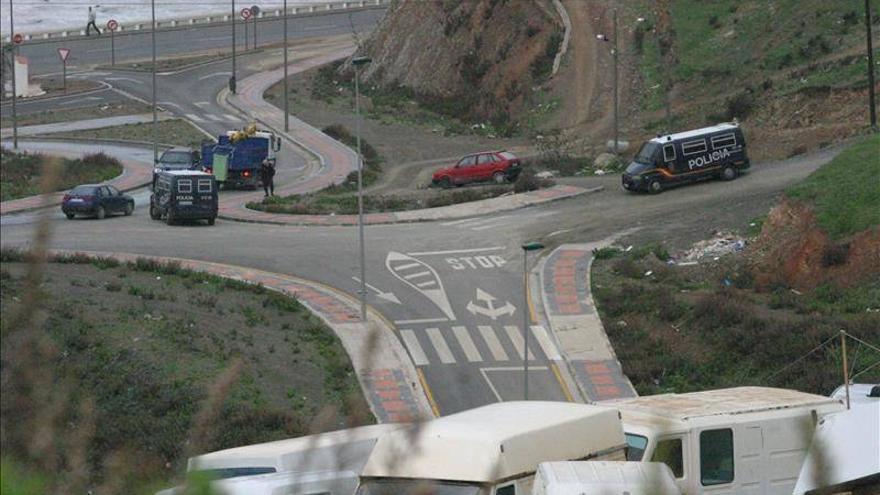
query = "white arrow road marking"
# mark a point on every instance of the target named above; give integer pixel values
(388, 296)
(489, 309)
(404, 268)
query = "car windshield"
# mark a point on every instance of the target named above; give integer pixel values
(83, 191)
(635, 446)
(648, 153)
(235, 472)
(414, 487)
(179, 158)
(637, 168)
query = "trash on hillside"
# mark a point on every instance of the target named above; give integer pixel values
(599, 172)
(546, 174)
(723, 243)
(649, 273)
(628, 248)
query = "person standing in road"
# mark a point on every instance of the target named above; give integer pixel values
(91, 24)
(267, 176)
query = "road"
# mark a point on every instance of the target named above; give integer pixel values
(453, 289)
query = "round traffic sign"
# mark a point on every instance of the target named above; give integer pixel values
(18, 38)
(112, 24)
(245, 13)
(255, 10)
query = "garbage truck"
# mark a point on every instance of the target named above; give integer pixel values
(236, 157)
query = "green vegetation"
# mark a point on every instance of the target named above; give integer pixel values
(686, 328)
(21, 173)
(136, 348)
(176, 132)
(844, 193)
(80, 113)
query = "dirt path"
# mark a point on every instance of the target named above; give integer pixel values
(580, 78)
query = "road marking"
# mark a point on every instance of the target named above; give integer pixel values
(169, 104)
(489, 310)
(129, 79)
(194, 117)
(440, 345)
(428, 392)
(559, 232)
(415, 349)
(215, 75)
(408, 265)
(203, 104)
(456, 222)
(546, 344)
(416, 322)
(483, 371)
(436, 294)
(231, 117)
(429, 283)
(416, 275)
(562, 385)
(456, 251)
(490, 226)
(467, 345)
(79, 100)
(483, 221)
(213, 117)
(517, 339)
(492, 343)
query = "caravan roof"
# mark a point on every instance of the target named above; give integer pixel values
(695, 132)
(495, 442)
(337, 450)
(716, 406)
(602, 477)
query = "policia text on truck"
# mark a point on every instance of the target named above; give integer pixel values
(711, 152)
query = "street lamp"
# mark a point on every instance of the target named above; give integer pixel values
(286, 96)
(232, 24)
(528, 246)
(358, 62)
(155, 118)
(871, 98)
(14, 94)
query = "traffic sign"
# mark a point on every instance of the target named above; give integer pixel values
(18, 39)
(112, 24)
(245, 13)
(63, 53)
(255, 10)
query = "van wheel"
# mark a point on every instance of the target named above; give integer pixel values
(728, 173)
(499, 178)
(169, 218)
(154, 213)
(69, 216)
(100, 214)
(129, 208)
(655, 187)
(211, 221)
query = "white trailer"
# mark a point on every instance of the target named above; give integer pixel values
(604, 478)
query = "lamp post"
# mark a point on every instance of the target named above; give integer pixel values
(358, 62)
(155, 117)
(871, 101)
(286, 95)
(14, 94)
(232, 25)
(526, 247)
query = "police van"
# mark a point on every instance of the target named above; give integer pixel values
(718, 151)
(184, 195)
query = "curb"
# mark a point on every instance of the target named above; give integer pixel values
(321, 299)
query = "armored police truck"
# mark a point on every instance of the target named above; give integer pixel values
(718, 151)
(184, 195)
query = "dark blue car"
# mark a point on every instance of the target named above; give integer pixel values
(97, 201)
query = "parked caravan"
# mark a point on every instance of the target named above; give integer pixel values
(604, 478)
(710, 152)
(490, 450)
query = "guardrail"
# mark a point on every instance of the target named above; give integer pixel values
(269, 14)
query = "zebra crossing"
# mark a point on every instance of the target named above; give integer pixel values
(480, 224)
(485, 343)
(210, 117)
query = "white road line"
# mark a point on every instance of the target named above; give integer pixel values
(415, 349)
(429, 283)
(517, 339)
(484, 372)
(203, 104)
(215, 75)
(129, 79)
(489, 382)
(194, 117)
(456, 222)
(416, 275)
(490, 226)
(467, 345)
(546, 344)
(482, 221)
(422, 320)
(79, 101)
(440, 346)
(169, 104)
(406, 266)
(492, 343)
(559, 232)
(213, 117)
(231, 117)
(456, 251)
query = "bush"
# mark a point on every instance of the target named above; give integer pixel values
(740, 106)
(605, 253)
(527, 181)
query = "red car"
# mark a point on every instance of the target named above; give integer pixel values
(497, 166)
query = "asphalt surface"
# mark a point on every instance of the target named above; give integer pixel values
(457, 286)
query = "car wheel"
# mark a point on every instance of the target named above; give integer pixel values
(446, 183)
(100, 213)
(69, 216)
(129, 208)
(154, 213)
(211, 220)
(655, 187)
(169, 218)
(728, 173)
(499, 178)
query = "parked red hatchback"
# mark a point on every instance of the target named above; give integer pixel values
(496, 166)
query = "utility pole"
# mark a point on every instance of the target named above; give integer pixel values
(357, 62)
(286, 91)
(529, 246)
(845, 366)
(155, 117)
(616, 128)
(14, 94)
(232, 24)
(871, 90)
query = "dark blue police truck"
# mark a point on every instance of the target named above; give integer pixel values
(718, 151)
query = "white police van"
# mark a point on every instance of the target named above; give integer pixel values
(718, 151)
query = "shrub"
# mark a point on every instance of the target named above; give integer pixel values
(606, 253)
(527, 181)
(627, 267)
(835, 254)
(740, 106)
(718, 310)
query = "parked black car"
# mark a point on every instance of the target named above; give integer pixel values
(184, 195)
(96, 200)
(177, 158)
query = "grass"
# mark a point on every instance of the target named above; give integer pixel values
(844, 192)
(176, 132)
(21, 173)
(138, 341)
(79, 113)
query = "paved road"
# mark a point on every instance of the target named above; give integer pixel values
(94, 50)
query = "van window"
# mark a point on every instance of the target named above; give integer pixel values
(723, 141)
(184, 186)
(669, 452)
(204, 185)
(506, 490)
(669, 152)
(716, 457)
(635, 446)
(693, 147)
